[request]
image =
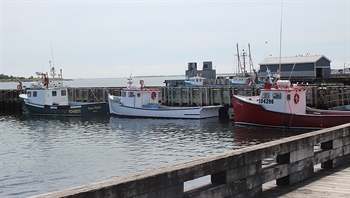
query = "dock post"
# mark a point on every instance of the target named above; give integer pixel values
(200, 96)
(302, 161)
(180, 102)
(342, 142)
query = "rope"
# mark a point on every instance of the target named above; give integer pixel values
(194, 98)
(96, 99)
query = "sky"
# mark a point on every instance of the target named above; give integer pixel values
(113, 39)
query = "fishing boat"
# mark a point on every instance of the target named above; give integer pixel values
(199, 80)
(143, 102)
(195, 81)
(281, 104)
(50, 97)
(243, 78)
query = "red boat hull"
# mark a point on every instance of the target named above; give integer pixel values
(254, 114)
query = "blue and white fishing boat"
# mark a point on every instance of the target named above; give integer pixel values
(195, 81)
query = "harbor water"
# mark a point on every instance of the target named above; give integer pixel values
(43, 154)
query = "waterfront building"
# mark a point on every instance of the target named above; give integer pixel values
(309, 66)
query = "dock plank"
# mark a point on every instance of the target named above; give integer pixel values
(324, 183)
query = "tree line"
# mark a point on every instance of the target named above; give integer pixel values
(3, 76)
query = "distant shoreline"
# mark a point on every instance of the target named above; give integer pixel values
(27, 80)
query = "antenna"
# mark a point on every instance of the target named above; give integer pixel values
(52, 54)
(42, 61)
(280, 40)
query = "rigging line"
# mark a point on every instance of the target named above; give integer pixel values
(291, 119)
(290, 75)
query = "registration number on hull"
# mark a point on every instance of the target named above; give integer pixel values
(74, 111)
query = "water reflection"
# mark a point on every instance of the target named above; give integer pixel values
(251, 135)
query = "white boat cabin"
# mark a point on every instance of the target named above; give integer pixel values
(139, 97)
(49, 96)
(240, 80)
(46, 91)
(283, 97)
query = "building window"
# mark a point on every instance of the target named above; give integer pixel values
(35, 94)
(54, 93)
(63, 92)
(29, 94)
(131, 94)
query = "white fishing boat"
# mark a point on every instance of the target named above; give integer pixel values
(143, 102)
(244, 78)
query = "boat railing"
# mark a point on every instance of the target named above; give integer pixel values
(336, 100)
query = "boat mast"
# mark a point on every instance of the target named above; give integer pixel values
(240, 69)
(52, 70)
(255, 76)
(244, 71)
(250, 59)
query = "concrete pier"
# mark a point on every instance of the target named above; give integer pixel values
(237, 173)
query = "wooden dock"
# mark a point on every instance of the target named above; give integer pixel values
(333, 182)
(318, 95)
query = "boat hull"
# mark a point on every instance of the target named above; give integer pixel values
(74, 109)
(250, 113)
(164, 111)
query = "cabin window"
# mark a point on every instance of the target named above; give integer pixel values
(35, 94)
(123, 94)
(288, 97)
(63, 92)
(277, 95)
(138, 95)
(29, 94)
(54, 93)
(266, 95)
(131, 94)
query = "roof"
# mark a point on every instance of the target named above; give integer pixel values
(293, 59)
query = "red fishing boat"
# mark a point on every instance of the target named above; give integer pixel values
(282, 105)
